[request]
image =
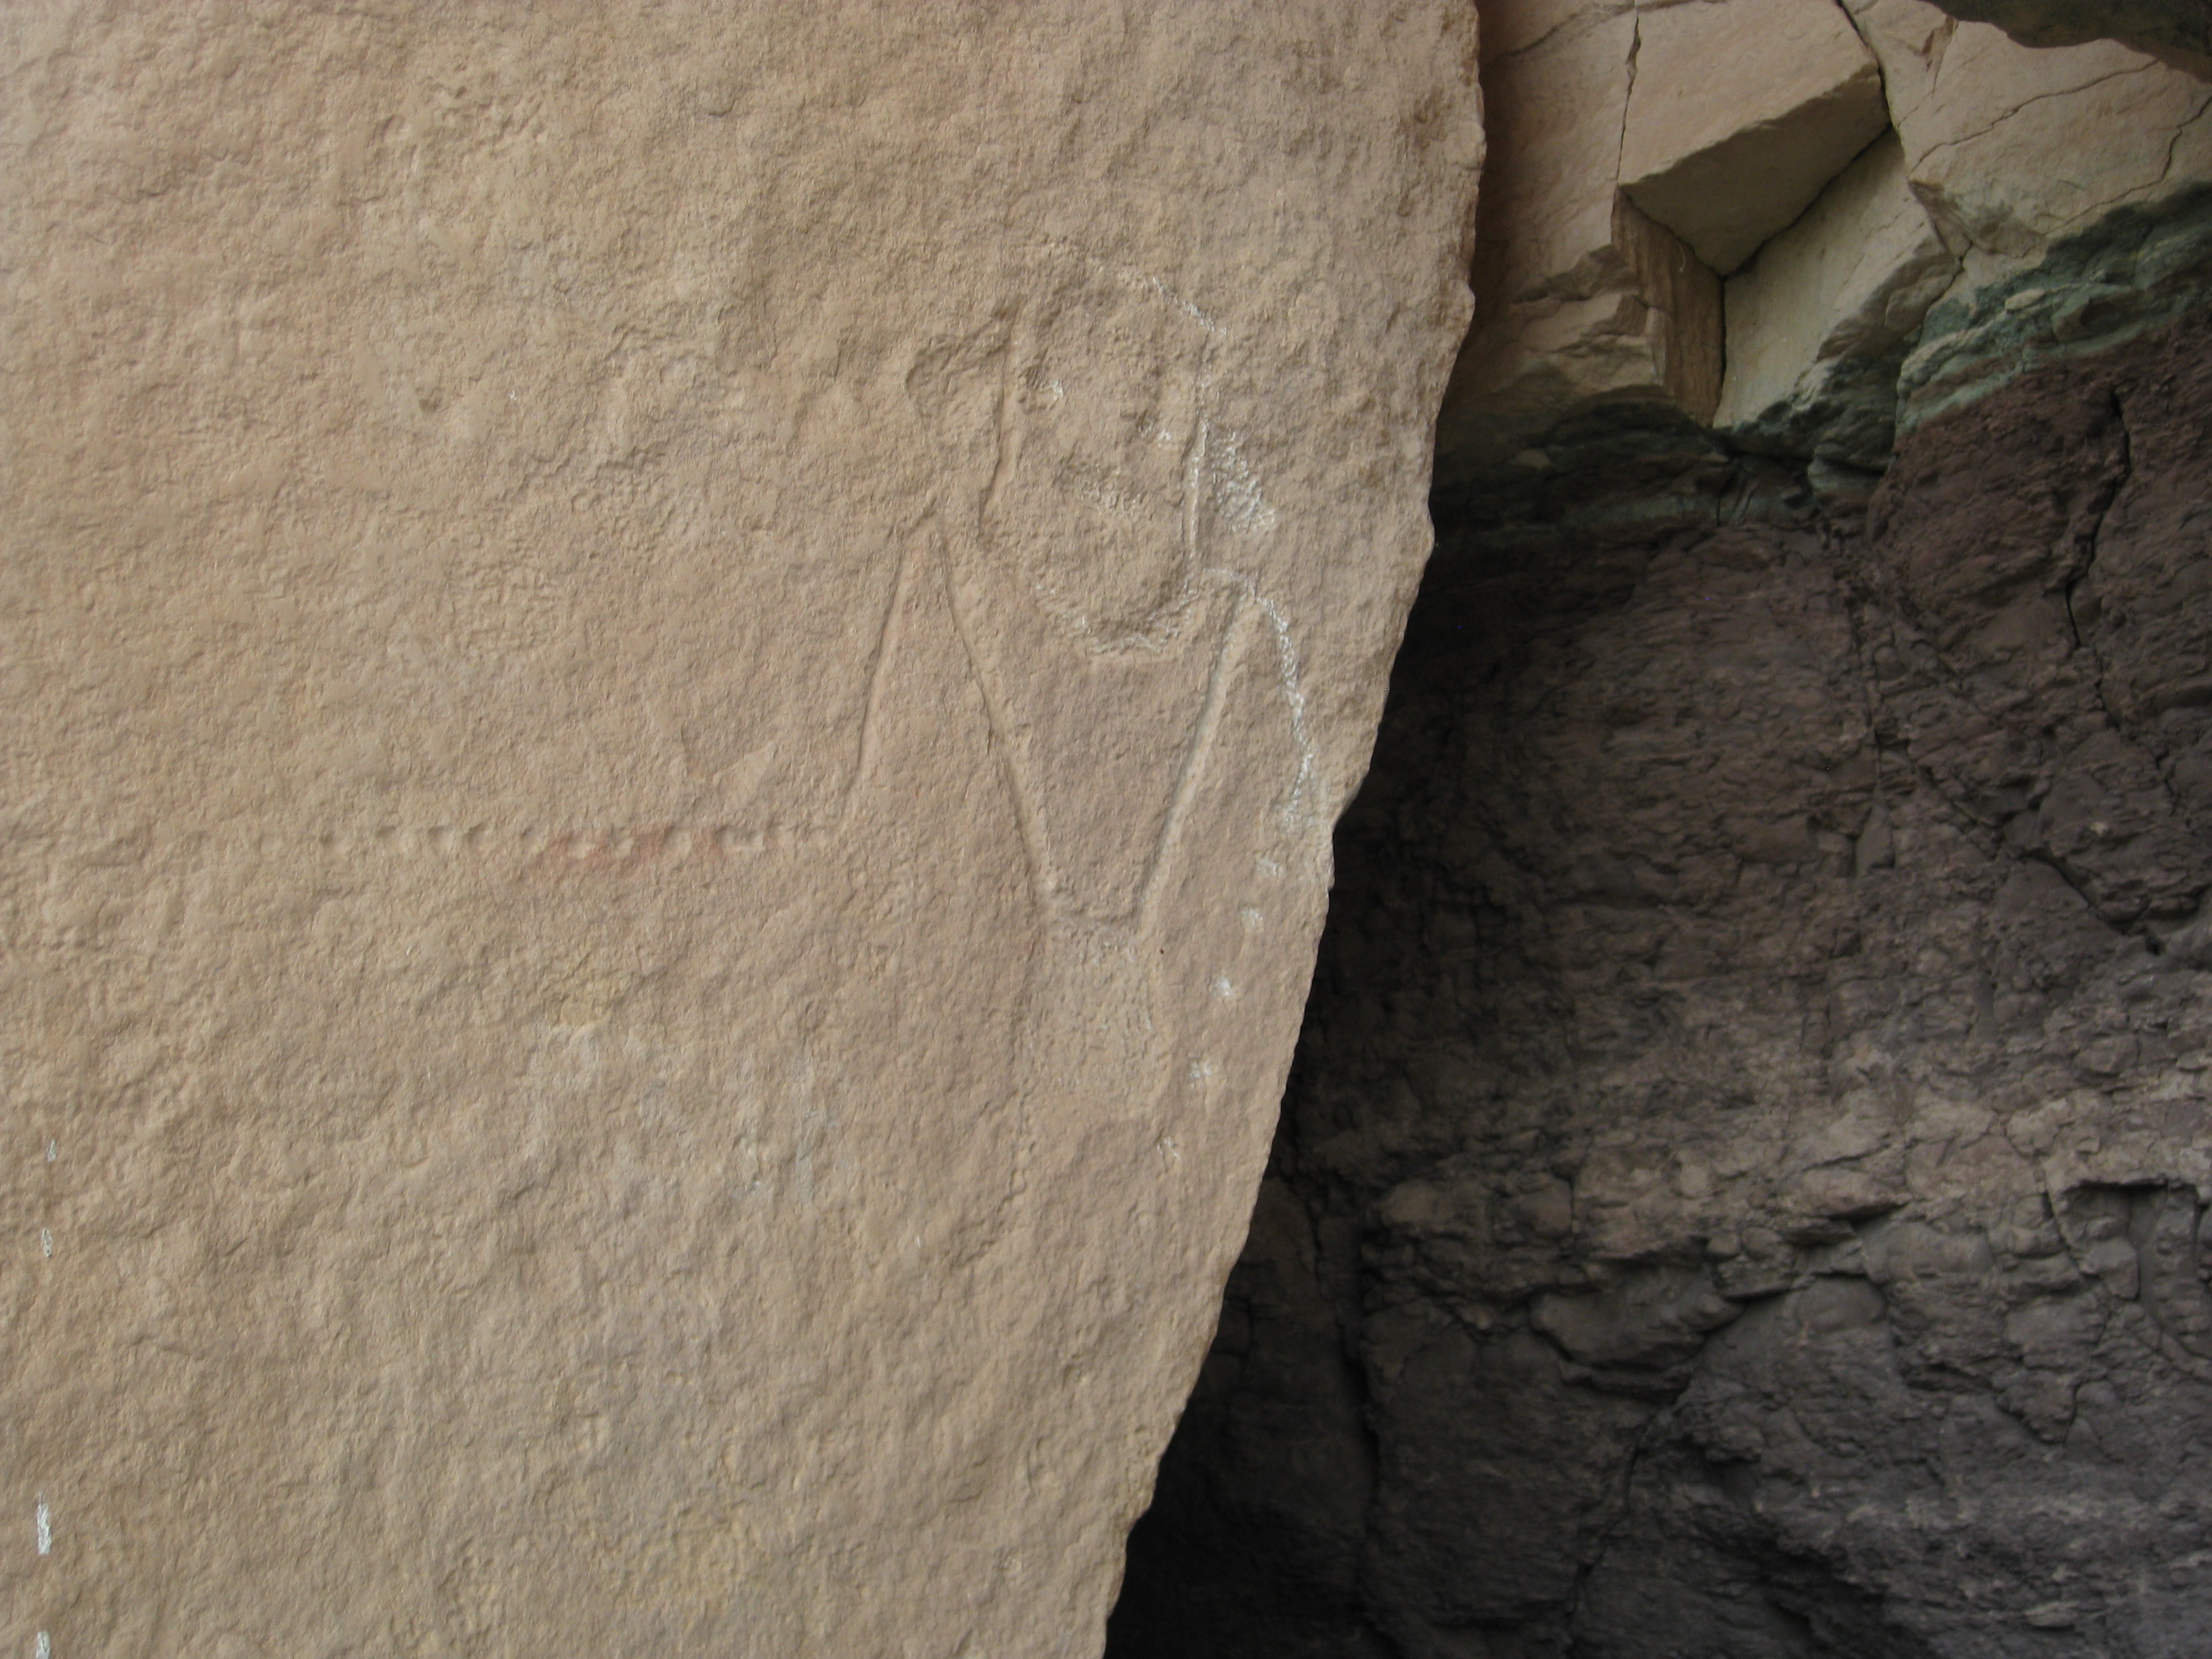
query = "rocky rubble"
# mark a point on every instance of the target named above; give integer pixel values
(1724, 158)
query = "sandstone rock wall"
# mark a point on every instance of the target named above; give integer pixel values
(677, 681)
(1823, 176)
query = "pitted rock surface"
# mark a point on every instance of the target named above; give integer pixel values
(676, 681)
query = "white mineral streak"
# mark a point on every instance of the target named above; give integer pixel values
(658, 659)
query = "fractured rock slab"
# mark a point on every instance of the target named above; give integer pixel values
(1582, 298)
(1818, 322)
(1636, 154)
(2076, 184)
(677, 686)
(1740, 112)
(2010, 147)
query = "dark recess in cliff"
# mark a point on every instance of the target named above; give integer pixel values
(1741, 1194)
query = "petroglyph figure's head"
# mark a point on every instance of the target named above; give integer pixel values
(1102, 436)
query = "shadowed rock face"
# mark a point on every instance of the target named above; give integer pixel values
(1742, 1191)
(2179, 31)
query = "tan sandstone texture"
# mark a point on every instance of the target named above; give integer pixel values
(677, 682)
(1740, 111)
(1581, 298)
(2010, 146)
(1850, 281)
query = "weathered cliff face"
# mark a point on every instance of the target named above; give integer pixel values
(1743, 1190)
(1746, 1189)
(2178, 31)
(676, 682)
(1785, 221)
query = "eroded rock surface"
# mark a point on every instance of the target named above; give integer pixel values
(1870, 179)
(2012, 148)
(1744, 1190)
(676, 682)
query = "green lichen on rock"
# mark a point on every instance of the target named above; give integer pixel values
(2134, 269)
(1852, 421)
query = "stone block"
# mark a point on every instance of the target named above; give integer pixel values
(1818, 321)
(1651, 329)
(2010, 146)
(1740, 112)
(1580, 297)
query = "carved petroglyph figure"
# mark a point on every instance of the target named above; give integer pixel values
(646, 690)
(1090, 607)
